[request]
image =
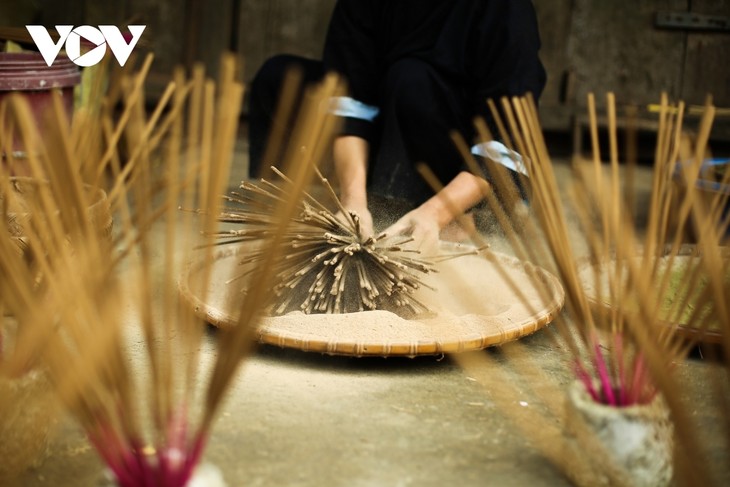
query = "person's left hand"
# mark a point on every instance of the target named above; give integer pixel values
(365, 218)
(420, 225)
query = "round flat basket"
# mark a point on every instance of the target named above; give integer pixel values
(591, 274)
(477, 301)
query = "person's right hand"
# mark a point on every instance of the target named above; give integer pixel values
(422, 227)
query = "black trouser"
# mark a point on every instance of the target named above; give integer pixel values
(418, 110)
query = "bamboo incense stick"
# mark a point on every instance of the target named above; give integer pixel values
(81, 298)
(641, 345)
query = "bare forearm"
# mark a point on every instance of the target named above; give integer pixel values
(350, 160)
(458, 196)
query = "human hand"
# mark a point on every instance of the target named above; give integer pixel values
(365, 220)
(422, 227)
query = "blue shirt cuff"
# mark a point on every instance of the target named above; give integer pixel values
(344, 106)
(499, 153)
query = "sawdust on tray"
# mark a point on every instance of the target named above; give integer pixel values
(470, 300)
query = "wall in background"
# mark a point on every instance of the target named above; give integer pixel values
(623, 46)
(281, 26)
(588, 45)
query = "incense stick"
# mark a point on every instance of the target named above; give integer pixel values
(640, 347)
(83, 301)
(331, 267)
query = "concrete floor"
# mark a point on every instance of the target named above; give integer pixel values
(301, 419)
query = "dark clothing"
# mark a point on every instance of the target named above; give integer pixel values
(264, 95)
(429, 66)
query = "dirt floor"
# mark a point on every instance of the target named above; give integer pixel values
(305, 419)
(301, 419)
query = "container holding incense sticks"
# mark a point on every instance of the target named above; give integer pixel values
(634, 440)
(205, 475)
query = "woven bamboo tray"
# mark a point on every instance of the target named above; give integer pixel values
(473, 307)
(686, 252)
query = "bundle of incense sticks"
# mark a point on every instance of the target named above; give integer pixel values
(624, 355)
(148, 417)
(330, 267)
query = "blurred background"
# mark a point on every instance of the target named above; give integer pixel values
(635, 49)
